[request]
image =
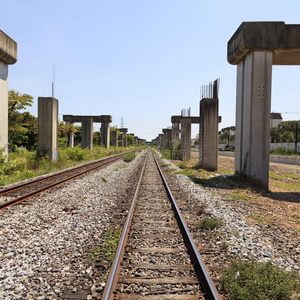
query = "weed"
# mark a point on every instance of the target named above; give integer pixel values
(240, 195)
(218, 205)
(246, 280)
(226, 245)
(103, 179)
(259, 219)
(110, 245)
(202, 209)
(210, 223)
(165, 165)
(129, 157)
(296, 218)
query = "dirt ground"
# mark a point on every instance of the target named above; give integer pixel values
(279, 206)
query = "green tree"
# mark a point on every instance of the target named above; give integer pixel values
(130, 140)
(68, 129)
(22, 127)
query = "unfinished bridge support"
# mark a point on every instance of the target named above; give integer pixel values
(8, 56)
(254, 48)
(48, 126)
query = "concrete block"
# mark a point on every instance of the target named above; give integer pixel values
(48, 126)
(208, 137)
(87, 133)
(277, 37)
(8, 49)
(186, 128)
(253, 106)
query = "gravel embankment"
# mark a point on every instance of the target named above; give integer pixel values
(46, 245)
(242, 239)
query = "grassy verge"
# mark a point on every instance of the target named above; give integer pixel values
(23, 164)
(246, 280)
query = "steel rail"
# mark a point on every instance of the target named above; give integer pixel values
(111, 281)
(48, 187)
(206, 282)
(19, 186)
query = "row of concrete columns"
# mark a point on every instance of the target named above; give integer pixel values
(48, 128)
(208, 137)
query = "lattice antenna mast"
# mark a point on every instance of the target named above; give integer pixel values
(122, 122)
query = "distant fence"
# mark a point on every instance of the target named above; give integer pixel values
(290, 160)
(272, 145)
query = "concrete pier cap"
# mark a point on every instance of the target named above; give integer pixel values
(281, 39)
(8, 49)
(8, 56)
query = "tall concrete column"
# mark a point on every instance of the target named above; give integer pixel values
(8, 56)
(208, 137)
(186, 128)
(114, 138)
(87, 133)
(165, 137)
(175, 132)
(48, 126)
(105, 134)
(253, 107)
(71, 144)
(160, 143)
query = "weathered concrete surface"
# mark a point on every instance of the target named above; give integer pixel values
(87, 133)
(8, 56)
(208, 137)
(186, 129)
(3, 106)
(48, 126)
(114, 139)
(253, 106)
(105, 134)
(87, 141)
(8, 49)
(281, 39)
(123, 136)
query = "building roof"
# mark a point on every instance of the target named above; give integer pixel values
(276, 116)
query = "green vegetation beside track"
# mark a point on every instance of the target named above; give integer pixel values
(23, 164)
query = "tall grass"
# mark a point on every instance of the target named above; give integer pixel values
(284, 151)
(23, 164)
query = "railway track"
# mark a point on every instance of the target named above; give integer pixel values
(19, 193)
(156, 257)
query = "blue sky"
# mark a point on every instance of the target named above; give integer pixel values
(142, 60)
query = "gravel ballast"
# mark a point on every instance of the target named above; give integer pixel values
(46, 245)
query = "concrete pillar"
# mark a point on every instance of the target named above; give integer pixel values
(114, 138)
(105, 134)
(71, 144)
(253, 107)
(8, 56)
(165, 137)
(48, 126)
(160, 143)
(87, 133)
(208, 137)
(186, 127)
(136, 140)
(175, 132)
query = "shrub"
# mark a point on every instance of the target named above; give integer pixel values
(246, 280)
(129, 157)
(210, 223)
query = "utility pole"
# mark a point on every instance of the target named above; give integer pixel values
(296, 135)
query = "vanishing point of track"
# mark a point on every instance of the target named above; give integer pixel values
(22, 192)
(156, 256)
